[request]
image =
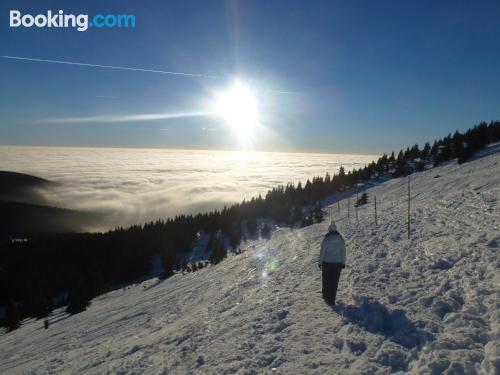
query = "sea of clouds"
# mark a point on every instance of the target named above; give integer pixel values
(130, 186)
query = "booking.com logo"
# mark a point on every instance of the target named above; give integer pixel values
(79, 21)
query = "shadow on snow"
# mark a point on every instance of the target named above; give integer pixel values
(376, 318)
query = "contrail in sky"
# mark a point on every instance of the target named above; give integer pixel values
(133, 117)
(182, 74)
(286, 92)
(113, 67)
(124, 118)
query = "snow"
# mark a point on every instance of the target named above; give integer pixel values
(425, 305)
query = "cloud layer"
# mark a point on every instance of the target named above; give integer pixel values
(135, 185)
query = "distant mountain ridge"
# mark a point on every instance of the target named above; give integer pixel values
(24, 209)
(13, 181)
(19, 218)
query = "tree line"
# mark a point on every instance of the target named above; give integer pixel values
(69, 269)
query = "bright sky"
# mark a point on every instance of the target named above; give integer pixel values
(352, 76)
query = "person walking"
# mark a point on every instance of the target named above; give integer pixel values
(331, 260)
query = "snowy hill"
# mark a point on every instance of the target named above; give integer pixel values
(425, 305)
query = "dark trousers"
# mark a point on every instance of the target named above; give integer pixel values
(331, 276)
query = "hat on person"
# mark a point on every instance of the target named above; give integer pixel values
(332, 227)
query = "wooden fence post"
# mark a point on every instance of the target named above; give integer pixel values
(376, 223)
(356, 205)
(409, 206)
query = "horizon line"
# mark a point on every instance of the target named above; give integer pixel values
(323, 152)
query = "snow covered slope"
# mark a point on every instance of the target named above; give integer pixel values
(425, 305)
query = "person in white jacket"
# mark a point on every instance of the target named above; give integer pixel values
(331, 260)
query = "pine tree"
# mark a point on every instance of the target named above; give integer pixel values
(401, 168)
(78, 298)
(218, 250)
(420, 166)
(12, 317)
(306, 221)
(167, 263)
(317, 214)
(380, 167)
(341, 171)
(266, 231)
(458, 144)
(465, 154)
(425, 151)
(252, 226)
(362, 200)
(296, 214)
(38, 304)
(235, 238)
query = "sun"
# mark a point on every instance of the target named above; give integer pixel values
(237, 106)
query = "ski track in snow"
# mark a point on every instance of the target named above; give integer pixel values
(428, 305)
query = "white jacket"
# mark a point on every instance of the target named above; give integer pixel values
(332, 249)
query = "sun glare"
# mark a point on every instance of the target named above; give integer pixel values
(237, 106)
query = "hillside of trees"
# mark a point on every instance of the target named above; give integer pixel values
(49, 270)
(24, 209)
(15, 183)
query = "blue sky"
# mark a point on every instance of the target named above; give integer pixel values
(368, 76)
